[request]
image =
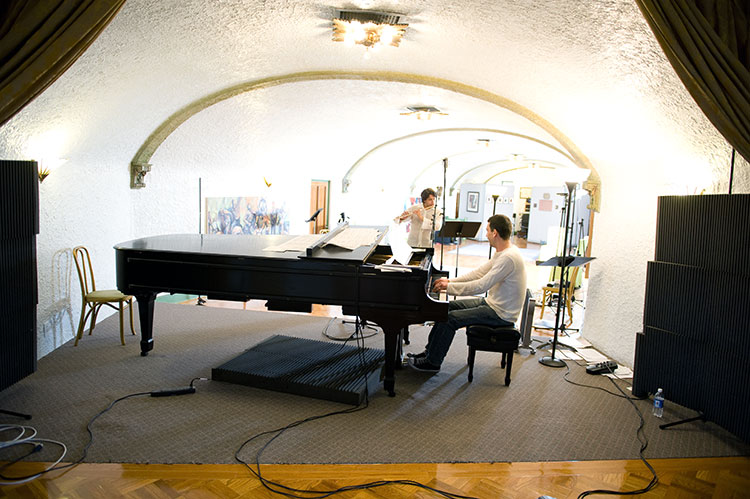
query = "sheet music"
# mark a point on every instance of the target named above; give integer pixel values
(299, 243)
(352, 238)
(399, 247)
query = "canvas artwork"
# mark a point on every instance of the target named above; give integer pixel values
(246, 215)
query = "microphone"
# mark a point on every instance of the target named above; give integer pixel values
(314, 215)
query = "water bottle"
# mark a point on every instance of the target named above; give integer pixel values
(659, 403)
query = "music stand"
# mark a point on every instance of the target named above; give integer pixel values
(459, 229)
(564, 262)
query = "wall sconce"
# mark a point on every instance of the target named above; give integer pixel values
(45, 167)
(368, 28)
(42, 172)
(138, 173)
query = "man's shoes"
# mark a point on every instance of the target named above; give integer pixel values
(420, 364)
(420, 355)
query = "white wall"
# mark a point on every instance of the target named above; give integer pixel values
(546, 207)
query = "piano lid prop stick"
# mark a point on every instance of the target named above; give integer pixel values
(324, 240)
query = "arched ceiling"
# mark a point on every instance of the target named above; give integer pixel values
(177, 54)
(462, 128)
(566, 68)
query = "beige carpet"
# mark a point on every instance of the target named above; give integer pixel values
(439, 418)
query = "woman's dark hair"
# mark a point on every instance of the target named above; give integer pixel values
(427, 193)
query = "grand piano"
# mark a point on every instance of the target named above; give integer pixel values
(238, 268)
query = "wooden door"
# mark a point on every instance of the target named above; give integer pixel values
(319, 201)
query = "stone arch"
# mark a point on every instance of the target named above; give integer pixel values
(140, 164)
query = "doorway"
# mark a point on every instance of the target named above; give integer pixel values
(319, 201)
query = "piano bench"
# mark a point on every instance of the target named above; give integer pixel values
(502, 339)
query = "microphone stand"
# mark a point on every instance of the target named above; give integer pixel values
(494, 207)
(445, 195)
(551, 361)
(432, 231)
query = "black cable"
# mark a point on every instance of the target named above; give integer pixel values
(292, 492)
(36, 448)
(157, 393)
(85, 449)
(565, 377)
(639, 435)
(731, 172)
(351, 336)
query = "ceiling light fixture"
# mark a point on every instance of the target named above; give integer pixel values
(423, 112)
(368, 28)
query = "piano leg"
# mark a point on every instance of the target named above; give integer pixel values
(392, 347)
(146, 316)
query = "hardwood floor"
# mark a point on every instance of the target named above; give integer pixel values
(678, 478)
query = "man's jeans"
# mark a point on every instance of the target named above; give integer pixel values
(461, 313)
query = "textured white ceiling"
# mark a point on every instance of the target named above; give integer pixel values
(158, 56)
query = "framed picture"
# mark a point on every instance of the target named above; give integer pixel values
(472, 202)
(246, 215)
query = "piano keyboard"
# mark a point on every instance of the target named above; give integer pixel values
(435, 295)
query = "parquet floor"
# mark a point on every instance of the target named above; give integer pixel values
(678, 478)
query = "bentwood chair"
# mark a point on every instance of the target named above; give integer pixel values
(93, 299)
(549, 291)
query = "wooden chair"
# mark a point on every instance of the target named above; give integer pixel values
(502, 339)
(549, 291)
(93, 299)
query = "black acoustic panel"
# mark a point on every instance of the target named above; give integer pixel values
(664, 360)
(708, 381)
(19, 199)
(705, 231)
(19, 224)
(699, 304)
(17, 344)
(18, 282)
(317, 369)
(696, 339)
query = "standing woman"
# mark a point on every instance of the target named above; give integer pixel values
(421, 216)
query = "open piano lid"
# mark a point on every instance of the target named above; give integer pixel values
(326, 249)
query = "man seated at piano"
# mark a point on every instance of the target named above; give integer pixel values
(421, 216)
(503, 277)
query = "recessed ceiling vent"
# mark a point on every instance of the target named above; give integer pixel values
(368, 16)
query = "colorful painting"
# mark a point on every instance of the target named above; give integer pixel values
(246, 215)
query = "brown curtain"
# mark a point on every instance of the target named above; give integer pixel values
(40, 39)
(707, 43)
